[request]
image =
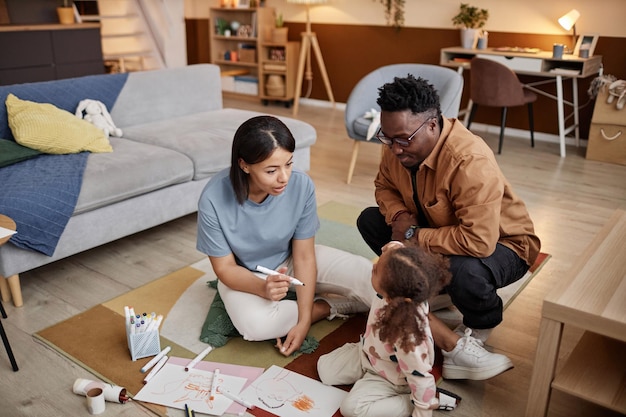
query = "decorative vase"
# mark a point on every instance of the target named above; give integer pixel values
(469, 38)
(66, 15)
(279, 35)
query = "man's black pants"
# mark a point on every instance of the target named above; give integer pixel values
(474, 280)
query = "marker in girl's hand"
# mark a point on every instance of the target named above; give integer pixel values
(267, 271)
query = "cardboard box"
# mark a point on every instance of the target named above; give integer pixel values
(228, 83)
(247, 55)
(228, 78)
(246, 84)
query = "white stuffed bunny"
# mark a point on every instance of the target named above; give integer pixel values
(97, 114)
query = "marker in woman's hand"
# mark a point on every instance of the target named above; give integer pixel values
(267, 271)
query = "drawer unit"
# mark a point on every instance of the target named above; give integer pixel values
(518, 64)
(607, 133)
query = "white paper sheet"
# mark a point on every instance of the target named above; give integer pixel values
(289, 394)
(174, 387)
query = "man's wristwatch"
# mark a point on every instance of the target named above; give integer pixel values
(410, 232)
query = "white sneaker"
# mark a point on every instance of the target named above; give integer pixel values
(480, 334)
(470, 360)
(342, 306)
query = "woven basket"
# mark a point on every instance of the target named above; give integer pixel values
(275, 86)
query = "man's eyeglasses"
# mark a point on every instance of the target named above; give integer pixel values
(402, 142)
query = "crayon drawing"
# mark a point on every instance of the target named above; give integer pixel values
(289, 394)
(174, 387)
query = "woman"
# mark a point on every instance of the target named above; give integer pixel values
(262, 212)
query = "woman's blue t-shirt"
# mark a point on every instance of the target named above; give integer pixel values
(257, 234)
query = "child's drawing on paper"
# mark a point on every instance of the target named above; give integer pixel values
(277, 391)
(174, 387)
(289, 394)
(193, 388)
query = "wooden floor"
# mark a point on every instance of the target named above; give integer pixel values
(569, 200)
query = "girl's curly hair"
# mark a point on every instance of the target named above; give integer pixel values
(410, 277)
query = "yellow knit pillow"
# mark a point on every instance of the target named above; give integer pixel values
(46, 128)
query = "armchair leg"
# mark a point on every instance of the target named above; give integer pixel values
(471, 115)
(502, 125)
(531, 124)
(355, 153)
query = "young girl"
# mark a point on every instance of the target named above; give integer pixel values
(390, 367)
(262, 212)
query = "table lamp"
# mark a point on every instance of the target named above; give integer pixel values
(568, 21)
(309, 40)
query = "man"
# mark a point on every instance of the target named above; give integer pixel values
(440, 187)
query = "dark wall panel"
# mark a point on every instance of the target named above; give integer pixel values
(351, 51)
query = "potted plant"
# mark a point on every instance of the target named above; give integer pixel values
(470, 20)
(66, 13)
(280, 32)
(222, 26)
(394, 12)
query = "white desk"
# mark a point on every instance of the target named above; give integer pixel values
(540, 64)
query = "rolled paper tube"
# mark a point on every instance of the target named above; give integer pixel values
(112, 393)
(95, 401)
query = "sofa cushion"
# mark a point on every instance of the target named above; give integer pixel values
(12, 152)
(131, 169)
(206, 138)
(48, 129)
(152, 96)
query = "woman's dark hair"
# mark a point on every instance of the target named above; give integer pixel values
(409, 93)
(410, 277)
(254, 142)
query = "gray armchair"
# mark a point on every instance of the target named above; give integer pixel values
(447, 82)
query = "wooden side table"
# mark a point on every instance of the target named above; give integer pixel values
(10, 286)
(7, 223)
(591, 298)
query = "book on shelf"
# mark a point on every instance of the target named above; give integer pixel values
(274, 67)
(254, 28)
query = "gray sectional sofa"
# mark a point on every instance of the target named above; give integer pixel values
(176, 135)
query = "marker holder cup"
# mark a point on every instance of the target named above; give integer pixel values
(143, 344)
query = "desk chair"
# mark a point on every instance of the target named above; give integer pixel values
(495, 85)
(5, 339)
(362, 98)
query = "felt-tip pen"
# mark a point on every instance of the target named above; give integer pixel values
(267, 271)
(156, 359)
(216, 374)
(235, 398)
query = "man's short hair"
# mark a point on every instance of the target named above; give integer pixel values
(409, 93)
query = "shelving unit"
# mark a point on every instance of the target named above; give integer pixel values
(591, 297)
(279, 63)
(237, 53)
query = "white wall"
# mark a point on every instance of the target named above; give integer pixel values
(168, 17)
(606, 17)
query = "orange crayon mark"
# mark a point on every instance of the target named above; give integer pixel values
(304, 403)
